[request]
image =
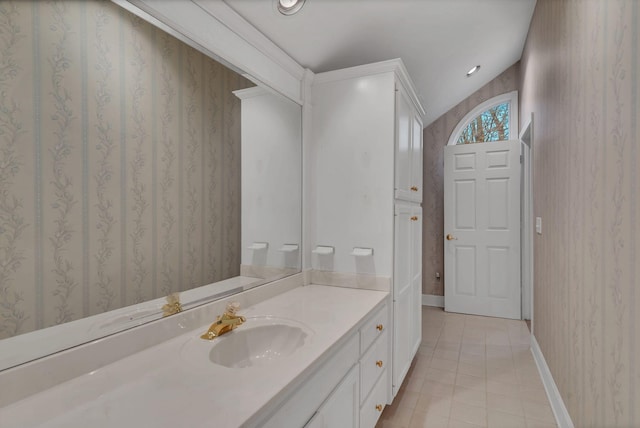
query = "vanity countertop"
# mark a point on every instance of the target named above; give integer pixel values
(159, 387)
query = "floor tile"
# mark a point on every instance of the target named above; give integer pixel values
(468, 413)
(441, 376)
(406, 398)
(476, 397)
(473, 382)
(471, 369)
(538, 412)
(446, 354)
(437, 388)
(497, 419)
(498, 387)
(447, 365)
(460, 424)
(471, 372)
(425, 420)
(434, 404)
(505, 403)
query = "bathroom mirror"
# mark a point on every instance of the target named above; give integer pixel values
(132, 166)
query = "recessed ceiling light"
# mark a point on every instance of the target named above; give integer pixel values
(289, 7)
(473, 70)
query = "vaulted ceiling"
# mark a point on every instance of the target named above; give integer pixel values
(438, 40)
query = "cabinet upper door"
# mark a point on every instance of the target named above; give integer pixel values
(408, 156)
(416, 159)
(404, 117)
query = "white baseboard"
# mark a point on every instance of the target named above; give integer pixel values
(433, 300)
(557, 405)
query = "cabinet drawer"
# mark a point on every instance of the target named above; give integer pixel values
(373, 364)
(374, 328)
(372, 408)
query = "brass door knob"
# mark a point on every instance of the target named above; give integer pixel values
(379, 407)
(450, 237)
(379, 327)
(379, 363)
(414, 188)
(414, 218)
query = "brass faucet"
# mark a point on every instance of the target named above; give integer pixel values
(173, 305)
(225, 322)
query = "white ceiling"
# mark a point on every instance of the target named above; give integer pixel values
(438, 40)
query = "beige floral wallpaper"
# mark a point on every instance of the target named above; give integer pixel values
(579, 77)
(119, 163)
(435, 138)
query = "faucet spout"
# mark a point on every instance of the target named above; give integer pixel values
(224, 323)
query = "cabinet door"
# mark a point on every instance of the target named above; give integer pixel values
(416, 278)
(408, 163)
(404, 119)
(407, 289)
(403, 295)
(342, 408)
(416, 159)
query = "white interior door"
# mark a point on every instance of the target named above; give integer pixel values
(482, 229)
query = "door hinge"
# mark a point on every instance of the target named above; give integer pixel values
(521, 158)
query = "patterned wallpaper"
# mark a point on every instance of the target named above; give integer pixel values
(579, 77)
(119, 163)
(435, 138)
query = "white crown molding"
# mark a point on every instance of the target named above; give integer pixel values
(218, 31)
(563, 419)
(393, 65)
(244, 94)
(236, 23)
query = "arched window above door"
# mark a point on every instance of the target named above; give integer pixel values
(494, 120)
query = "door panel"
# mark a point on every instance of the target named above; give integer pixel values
(498, 203)
(465, 200)
(498, 260)
(465, 270)
(482, 229)
(465, 161)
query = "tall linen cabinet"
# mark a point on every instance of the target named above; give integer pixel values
(366, 163)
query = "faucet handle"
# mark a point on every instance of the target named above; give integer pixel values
(233, 307)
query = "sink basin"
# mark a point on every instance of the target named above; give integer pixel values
(258, 342)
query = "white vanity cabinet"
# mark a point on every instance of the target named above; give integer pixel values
(349, 389)
(366, 173)
(360, 397)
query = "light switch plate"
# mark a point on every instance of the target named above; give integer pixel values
(539, 225)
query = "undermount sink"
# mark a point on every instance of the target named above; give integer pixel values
(258, 342)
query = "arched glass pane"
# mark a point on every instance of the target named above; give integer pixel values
(491, 125)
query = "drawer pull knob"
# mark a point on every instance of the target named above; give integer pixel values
(414, 188)
(379, 363)
(379, 327)
(379, 407)
(414, 218)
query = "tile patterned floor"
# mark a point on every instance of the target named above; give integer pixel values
(470, 372)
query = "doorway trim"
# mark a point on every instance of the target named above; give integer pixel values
(527, 234)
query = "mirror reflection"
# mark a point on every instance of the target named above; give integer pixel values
(132, 166)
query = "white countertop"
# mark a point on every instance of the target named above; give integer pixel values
(159, 387)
